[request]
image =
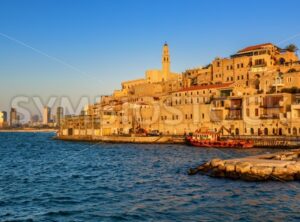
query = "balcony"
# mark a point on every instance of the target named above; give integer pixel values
(233, 107)
(270, 116)
(258, 68)
(229, 117)
(216, 119)
(217, 108)
(271, 105)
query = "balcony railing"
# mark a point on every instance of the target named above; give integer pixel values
(238, 117)
(270, 116)
(271, 106)
(233, 106)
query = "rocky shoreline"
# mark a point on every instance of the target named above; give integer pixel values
(282, 166)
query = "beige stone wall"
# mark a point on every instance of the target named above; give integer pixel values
(291, 80)
(235, 92)
(128, 85)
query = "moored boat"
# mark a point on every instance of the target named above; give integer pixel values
(213, 140)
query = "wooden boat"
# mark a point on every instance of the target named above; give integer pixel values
(213, 140)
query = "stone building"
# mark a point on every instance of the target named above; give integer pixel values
(255, 91)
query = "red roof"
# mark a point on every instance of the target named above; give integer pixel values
(254, 47)
(215, 86)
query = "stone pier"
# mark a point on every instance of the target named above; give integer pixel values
(282, 166)
(126, 139)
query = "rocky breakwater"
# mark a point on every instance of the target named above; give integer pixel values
(283, 166)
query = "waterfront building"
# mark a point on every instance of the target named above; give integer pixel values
(3, 119)
(46, 115)
(255, 91)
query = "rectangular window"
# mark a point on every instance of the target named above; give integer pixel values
(256, 112)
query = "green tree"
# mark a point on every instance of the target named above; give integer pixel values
(291, 48)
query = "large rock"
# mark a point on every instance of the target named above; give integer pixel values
(289, 157)
(232, 174)
(230, 167)
(216, 162)
(293, 168)
(222, 167)
(251, 177)
(282, 173)
(217, 173)
(261, 171)
(243, 167)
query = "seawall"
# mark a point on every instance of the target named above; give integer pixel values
(126, 139)
(259, 141)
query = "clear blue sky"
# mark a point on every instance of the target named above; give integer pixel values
(76, 48)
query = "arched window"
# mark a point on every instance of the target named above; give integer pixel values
(237, 131)
(295, 131)
(280, 132)
(266, 131)
(252, 131)
(281, 61)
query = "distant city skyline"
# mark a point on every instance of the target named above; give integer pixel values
(75, 49)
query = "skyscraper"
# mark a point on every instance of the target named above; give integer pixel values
(46, 115)
(13, 117)
(59, 115)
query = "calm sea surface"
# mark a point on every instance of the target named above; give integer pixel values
(46, 180)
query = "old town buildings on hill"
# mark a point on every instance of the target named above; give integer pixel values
(255, 91)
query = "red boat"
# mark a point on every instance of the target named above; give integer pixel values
(213, 140)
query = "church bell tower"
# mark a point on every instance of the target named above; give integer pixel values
(166, 61)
